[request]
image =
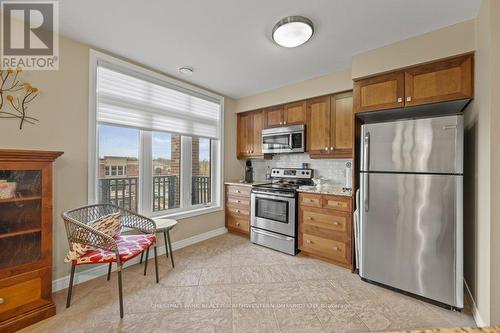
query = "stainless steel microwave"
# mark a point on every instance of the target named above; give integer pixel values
(281, 140)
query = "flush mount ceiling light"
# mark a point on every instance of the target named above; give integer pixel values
(186, 70)
(293, 31)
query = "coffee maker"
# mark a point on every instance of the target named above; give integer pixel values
(248, 172)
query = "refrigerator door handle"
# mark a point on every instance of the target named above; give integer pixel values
(366, 153)
(365, 191)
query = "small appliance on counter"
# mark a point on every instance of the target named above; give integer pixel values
(274, 209)
(248, 172)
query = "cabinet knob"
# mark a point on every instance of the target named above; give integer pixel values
(335, 248)
(400, 100)
(238, 224)
(335, 223)
(284, 123)
(331, 148)
(326, 148)
(308, 241)
(408, 98)
(237, 191)
(238, 211)
(2, 301)
(310, 218)
(238, 201)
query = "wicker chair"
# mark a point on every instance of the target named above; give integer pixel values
(107, 249)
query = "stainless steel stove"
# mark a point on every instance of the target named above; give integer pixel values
(274, 209)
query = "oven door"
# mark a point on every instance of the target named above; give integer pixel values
(274, 213)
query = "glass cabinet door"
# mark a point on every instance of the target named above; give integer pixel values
(20, 217)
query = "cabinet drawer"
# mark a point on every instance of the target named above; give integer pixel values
(24, 292)
(20, 294)
(242, 225)
(330, 249)
(310, 199)
(339, 203)
(335, 222)
(238, 201)
(238, 211)
(233, 190)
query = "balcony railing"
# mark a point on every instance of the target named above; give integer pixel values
(165, 191)
(123, 191)
(200, 190)
(119, 191)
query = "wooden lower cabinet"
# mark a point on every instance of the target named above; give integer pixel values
(325, 227)
(238, 209)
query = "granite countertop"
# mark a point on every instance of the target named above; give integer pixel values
(241, 183)
(333, 190)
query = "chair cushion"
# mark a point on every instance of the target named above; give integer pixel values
(129, 246)
(109, 224)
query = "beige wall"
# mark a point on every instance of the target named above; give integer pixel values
(494, 10)
(477, 174)
(442, 43)
(62, 108)
(323, 85)
(482, 187)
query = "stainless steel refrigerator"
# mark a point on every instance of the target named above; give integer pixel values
(411, 197)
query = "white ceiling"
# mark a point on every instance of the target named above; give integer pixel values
(228, 41)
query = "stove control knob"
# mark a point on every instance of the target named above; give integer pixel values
(303, 172)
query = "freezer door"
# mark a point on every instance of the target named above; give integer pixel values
(411, 234)
(430, 145)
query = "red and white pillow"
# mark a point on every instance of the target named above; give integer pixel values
(109, 225)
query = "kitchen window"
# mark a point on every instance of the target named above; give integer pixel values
(155, 143)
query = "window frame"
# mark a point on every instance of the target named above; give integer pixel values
(144, 204)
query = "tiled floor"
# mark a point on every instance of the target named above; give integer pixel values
(227, 284)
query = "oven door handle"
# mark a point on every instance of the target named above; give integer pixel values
(266, 195)
(266, 233)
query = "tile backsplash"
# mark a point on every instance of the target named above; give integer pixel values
(332, 169)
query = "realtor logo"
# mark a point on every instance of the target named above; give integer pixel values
(29, 35)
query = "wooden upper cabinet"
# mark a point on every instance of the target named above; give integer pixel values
(379, 93)
(274, 116)
(244, 135)
(249, 135)
(318, 125)
(295, 113)
(440, 81)
(257, 126)
(341, 123)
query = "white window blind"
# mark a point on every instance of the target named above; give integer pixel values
(131, 99)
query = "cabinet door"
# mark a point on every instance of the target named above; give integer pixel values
(318, 125)
(341, 124)
(274, 116)
(24, 217)
(379, 93)
(243, 136)
(257, 126)
(442, 81)
(295, 113)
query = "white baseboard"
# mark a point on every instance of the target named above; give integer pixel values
(475, 312)
(92, 273)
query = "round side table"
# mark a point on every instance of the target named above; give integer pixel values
(164, 226)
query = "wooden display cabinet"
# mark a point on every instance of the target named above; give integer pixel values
(25, 238)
